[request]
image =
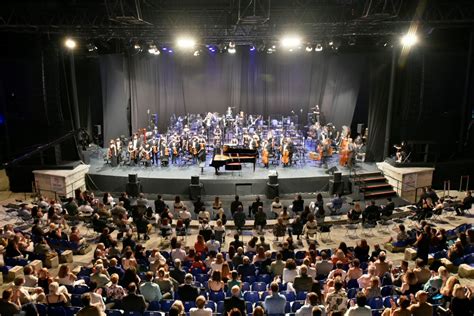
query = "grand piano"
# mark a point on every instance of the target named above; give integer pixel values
(233, 156)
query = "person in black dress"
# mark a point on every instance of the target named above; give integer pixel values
(423, 243)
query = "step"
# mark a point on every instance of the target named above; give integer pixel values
(380, 193)
(373, 179)
(375, 186)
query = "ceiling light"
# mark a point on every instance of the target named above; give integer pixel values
(309, 48)
(196, 53)
(231, 50)
(91, 47)
(70, 43)
(152, 49)
(186, 43)
(409, 39)
(252, 48)
(318, 47)
(291, 41)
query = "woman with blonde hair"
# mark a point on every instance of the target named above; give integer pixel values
(55, 297)
(66, 277)
(447, 289)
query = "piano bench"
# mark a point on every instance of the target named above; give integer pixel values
(233, 166)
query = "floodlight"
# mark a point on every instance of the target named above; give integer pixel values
(318, 47)
(409, 39)
(291, 41)
(186, 42)
(70, 43)
(309, 48)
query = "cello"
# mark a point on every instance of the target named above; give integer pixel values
(265, 156)
(285, 156)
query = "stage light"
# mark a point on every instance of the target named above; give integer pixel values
(331, 43)
(91, 47)
(270, 50)
(291, 41)
(309, 48)
(186, 43)
(409, 39)
(170, 51)
(252, 48)
(318, 47)
(152, 49)
(196, 53)
(231, 49)
(137, 47)
(70, 43)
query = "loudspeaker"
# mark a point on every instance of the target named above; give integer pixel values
(336, 187)
(337, 176)
(360, 128)
(132, 178)
(273, 190)
(195, 190)
(133, 189)
(273, 179)
(195, 180)
(332, 170)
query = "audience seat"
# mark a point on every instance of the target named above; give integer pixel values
(259, 286)
(376, 303)
(266, 278)
(296, 306)
(216, 296)
(290, 295)
(154, 306)
(301, 295)
(251, 296)
(165, 305)
(114, 312)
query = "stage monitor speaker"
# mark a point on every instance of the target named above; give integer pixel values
(195, 180)
(132, 178)
(273, 190)
(195, 191)
(336, 187)
(332, 170)
(273, 179)
(337, 176)
(360, 128)
(133, 189)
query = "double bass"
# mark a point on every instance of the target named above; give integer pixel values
(265, 156)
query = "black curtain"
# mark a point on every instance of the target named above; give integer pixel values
(252, 82)
(379, 83)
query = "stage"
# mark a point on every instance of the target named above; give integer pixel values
(305, 177)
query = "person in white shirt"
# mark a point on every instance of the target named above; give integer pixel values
(178, 253)
(213, 245)
(185, 216)
(311, 270)
(359, 308)
(338, 271)
(311, 301)
(217, 264)
(200, 309)
(364, 280)
(289, 272)
(30, 279)
(276, 207)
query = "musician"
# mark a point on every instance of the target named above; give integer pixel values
(146, 155)
(136, 142)
(112, 153)
(265, 153)
(118, 145)
(246, 138)
(202, 154)
(174, 148)
(217, 136)
(132, 153)
(402, 152)
(285, 153)
(155, 151)
(325, 151)
(164, 154)
(254, 143)
(350, 152)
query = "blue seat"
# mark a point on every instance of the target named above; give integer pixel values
(114, 312)
(352, 293)
(386, 290)
(211, 305)
(188, 306)
(220, 307)
(153, 313)
(288, 307)
(249, 308)
(468, 259)
(352, 284)
(259, 286)
(134, 313)
(202, 278)
(250, 254)
(301, 295)
(250, 279)
(154, 306)
(166, 305)
(290, 295)
(80, 289)
(386, 300)
(282, 287)
(376, 313)
(300, 255)
(76, 300)
(72, 310)
(216, 296)
(251, 296)
(196, 271)
(265, 278)
(376, 303)
(42, 309)
(57, 311)
(296, 306)
(245, 286)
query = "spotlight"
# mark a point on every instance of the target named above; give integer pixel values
(186, 43)
(331, 43)
(196, 53)
(318, 47)
(137, 48)
(270, 51)
(152, 49)
(170, 51)
(70, 43)
(91, 47)
(309, 48)
(252, 48)
(291, 41)
(409, 39)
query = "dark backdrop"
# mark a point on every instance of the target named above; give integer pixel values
(249, 81)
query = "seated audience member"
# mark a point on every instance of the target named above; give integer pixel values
(235, 301)
(133, 302)
(465, 205)
(303, 282)
(89, 309)
(114, 292)
(421, 306)
(387, 210)
(312, 300)
(310, 229)
(461, 303)
(338, 272)
(371, 214)
(361, 251)
(246, 268)
(355, 212)
(354, 272)
(423, 274)
(178, 274)
(289, 272)
(55, 297)
(323, 266)
(165, 283)
(275, 302)
(336, 300)
(188, 292)
(278, 265)
(400, 309)
(200, 309)
(373, 290)
(234, 280)
(149, 289)
(364, 280)
(336, 204)
(30, 279)
(381, 266)
(360, 307)
(9, 305)
(260, 220)
(215, 283)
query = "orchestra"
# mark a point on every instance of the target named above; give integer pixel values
(276, 141)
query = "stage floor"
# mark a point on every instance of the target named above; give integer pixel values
(304, 177)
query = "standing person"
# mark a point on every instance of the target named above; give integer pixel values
(239, 219)
(422, 243)
(159, 205)
(255, 206)
(235, 205)
(133, 302)
(260, 220)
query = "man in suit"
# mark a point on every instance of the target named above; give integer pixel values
(133, 302)
(188, 292)
(235, 301)
(178, 273)
(303, 282)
